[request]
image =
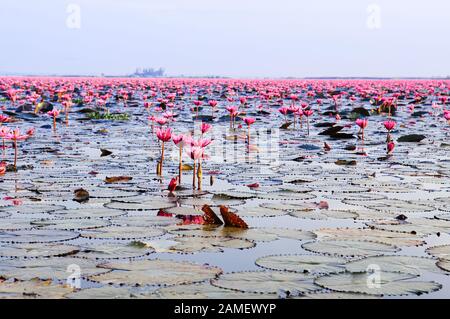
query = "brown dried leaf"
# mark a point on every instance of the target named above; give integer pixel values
(210, 218)
(231, 219)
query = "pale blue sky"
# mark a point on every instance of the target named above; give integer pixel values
(238, 38)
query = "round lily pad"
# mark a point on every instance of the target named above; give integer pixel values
(92, 212)
(303, 263)
(420, 226)
(403, 264)
(48, 268)
(444, 265)
(150, 205)
(259, 212)
(376, 235)
(144, 221)
(441, 252)
(398, 206)
(286, 196)
(205, 291)
(336, 295)
(36, 236)
(381, 283)
(123, 233)
(268, 282)
(70, 224)
(113, 251)
(324, 214)
(37, 250)
(189, 245)
(31, 209)
(105, 292)
(349, 248)
(156, 273)
(33, 289)
(15, 224)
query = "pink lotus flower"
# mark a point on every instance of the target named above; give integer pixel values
(196, 152)
(249, 120)
(233, 113)
(390, 147)
(30, 131)
(164, 134)
(447, 115)
(308, 113)
(55, 112)
(362, 123)
(389, 125)
(4, 131)
(212, 103)
(15, 136)
(173, 185)
(283, 110)
(4, 119)
(169, 115)
(161, 120)
(203, 142)
(243, 100)
(205, 127)
(177, 139)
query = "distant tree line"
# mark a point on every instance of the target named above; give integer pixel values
(149, 72)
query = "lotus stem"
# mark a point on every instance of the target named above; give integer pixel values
(15, 155)
(162, 159)
(180, 167)
(194, 169)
